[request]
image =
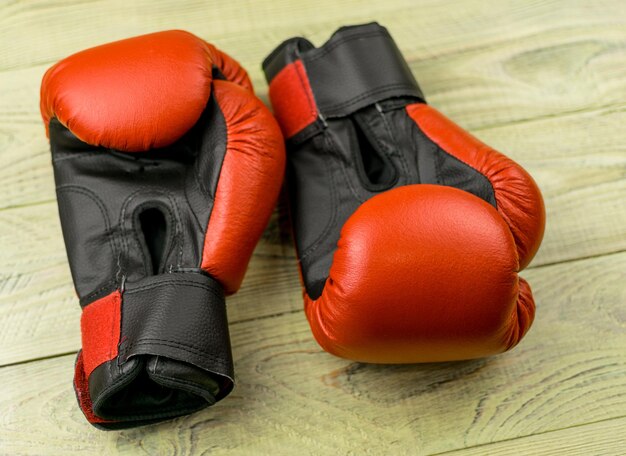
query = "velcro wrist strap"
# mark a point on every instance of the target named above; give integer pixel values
(181, 316)
(359, 66)
(168, 331)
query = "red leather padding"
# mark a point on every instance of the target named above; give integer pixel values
(517, 196)
(135, 94)
(422, 273)
(292, 99)
(100, 331)
(248, 186)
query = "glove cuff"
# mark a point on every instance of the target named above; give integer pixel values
(357, 67)
(160, 348)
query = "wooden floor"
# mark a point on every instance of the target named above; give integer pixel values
(544, 81)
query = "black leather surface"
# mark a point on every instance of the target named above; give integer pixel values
(335, 166)
(358, 66)
(180, 316)
(174, 352)
(137, 222)
(101, 194)
(283, 55)
(132, 395)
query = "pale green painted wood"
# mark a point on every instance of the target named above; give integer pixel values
(606, 438)
(293, 398)
(544, 82)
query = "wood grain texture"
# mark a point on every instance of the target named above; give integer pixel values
(543, 81)
(607, 438)
(510, 62)
(291, 395)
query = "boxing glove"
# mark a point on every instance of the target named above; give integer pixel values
(167, 168)
(410, 232)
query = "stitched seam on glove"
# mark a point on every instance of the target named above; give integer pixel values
(198, 351)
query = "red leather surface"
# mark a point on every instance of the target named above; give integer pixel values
(120, 95)
(292, 99)
(518, 198)
(422, 273)
(248, 186)
(100, 330)
(229, 67)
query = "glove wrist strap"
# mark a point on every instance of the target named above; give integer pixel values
(180, 316)
(359, 66)
(173, 355)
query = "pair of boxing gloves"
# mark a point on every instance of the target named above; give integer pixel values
(410, 233)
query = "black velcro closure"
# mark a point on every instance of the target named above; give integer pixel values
(359, 66)
(181, 316)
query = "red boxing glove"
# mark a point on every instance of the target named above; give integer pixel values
(167, 168)
(410, 232)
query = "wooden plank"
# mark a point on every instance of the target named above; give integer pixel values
(580, 171)
(603, 438)
(518, 67)
(570, 370)
(437, 28)
(542, 81)
(579, 163)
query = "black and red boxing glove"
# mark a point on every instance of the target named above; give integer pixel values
(167, 168)
(410, 232)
